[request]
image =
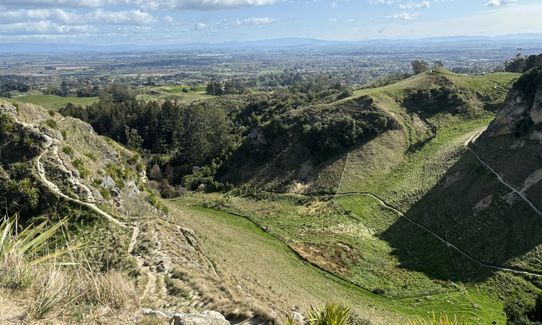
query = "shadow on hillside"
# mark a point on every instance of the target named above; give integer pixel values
(468, 208)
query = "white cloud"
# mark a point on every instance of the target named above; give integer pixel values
(200, 4)
(62, 3)
(260, 21)
(60, 16)
(404, 16)
(486, 22)
(144, 4)
(42, 28)
(500, 3)
(415, 5)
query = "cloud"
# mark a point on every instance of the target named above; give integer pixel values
(62, 3)
(60, 16)
(143, 4)
(415, 5)
(200, 4)
(500, 3)
(43, 28)
(260, 21)
(485, 22)
(404, 16)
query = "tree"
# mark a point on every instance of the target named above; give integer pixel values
(419, 66)
(438, 65)
(214, 88)
(133, 139)
(517, 64)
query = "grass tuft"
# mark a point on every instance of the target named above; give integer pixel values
(331, 314)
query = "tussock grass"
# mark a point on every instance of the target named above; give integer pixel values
(49, 286)
(53, 293)
(331, 314)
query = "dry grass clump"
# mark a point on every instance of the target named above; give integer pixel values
(112, 289)
(48, 285)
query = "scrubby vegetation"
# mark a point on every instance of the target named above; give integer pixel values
(56, 282)
(523, 64)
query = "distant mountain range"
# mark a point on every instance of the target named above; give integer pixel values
(530, 41)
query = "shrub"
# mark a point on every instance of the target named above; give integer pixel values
(20, 251)
(53, 292)
(51, 123)
(67, 150)
(331, 314)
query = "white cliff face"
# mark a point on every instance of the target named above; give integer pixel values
(507, 117)
(517, 109)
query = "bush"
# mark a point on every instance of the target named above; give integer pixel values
(331, 314)
(51, 123)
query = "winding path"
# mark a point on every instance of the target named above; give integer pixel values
(522, 195)
(441, 239)
(51, 143)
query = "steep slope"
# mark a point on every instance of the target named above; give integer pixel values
(303, 150)
(487, 204)
(70, 171)
(357, 142)
(367, 232)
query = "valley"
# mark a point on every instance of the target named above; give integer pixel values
(402, 201)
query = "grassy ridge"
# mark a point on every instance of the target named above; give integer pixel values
(358, 240)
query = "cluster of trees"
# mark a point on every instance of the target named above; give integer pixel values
(8, 84)
(193, 136)
(522, 63)
(62, 91)
(420, 66)
(117, 92)
(188, 144)
(229, 87)
(324, 131)
(429, 101)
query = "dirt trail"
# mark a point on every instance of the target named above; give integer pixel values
(444, 241)
(522, 195)
(51, 144)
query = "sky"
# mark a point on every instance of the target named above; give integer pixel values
(193, 21)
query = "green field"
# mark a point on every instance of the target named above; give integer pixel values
(174, 93)
(51, 101)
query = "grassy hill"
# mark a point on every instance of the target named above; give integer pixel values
(378, 201)
(354, 237)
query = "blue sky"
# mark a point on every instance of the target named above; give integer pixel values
(178, 21)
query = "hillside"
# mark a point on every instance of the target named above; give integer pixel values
(316, 149)
(369, 229)
(378, 201)
(53, 168)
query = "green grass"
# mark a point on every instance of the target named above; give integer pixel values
(362, 242)
(174, 92)
(53, 102)
(240, 247)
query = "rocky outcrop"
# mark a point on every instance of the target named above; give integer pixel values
(522, 112)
